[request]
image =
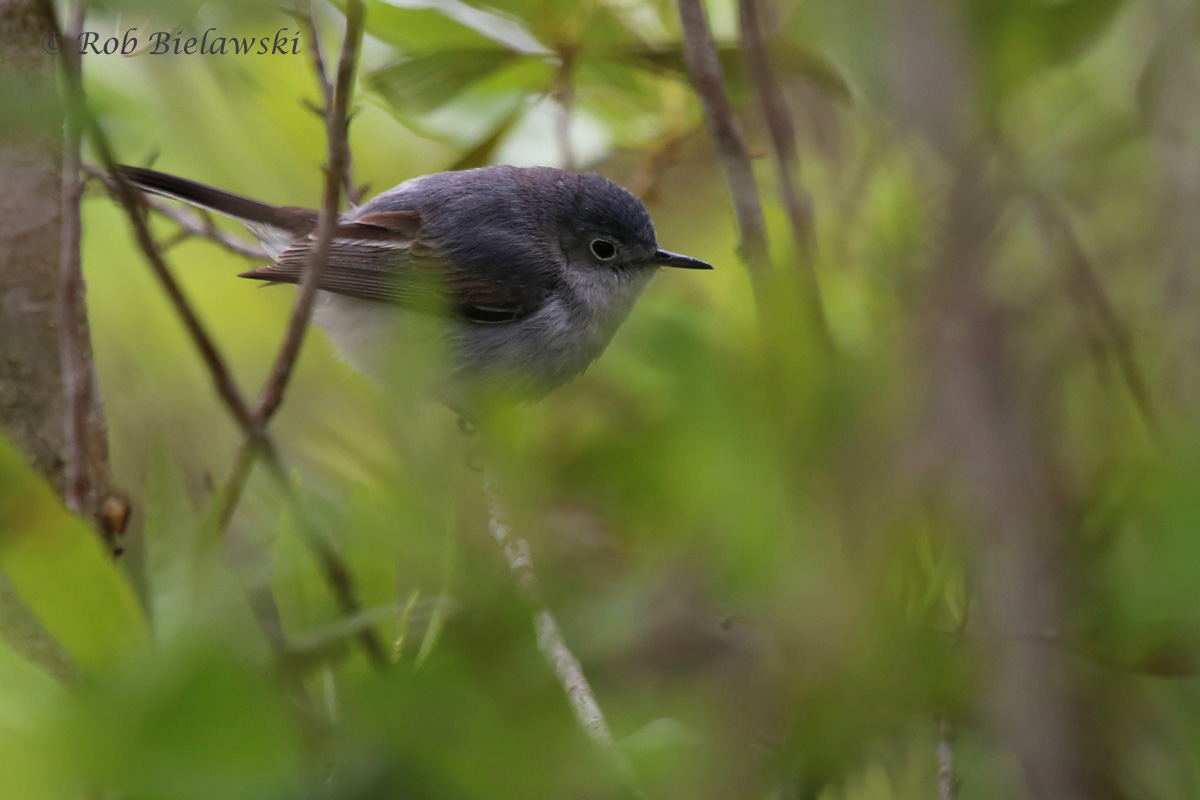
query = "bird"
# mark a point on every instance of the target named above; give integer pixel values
(522, 274)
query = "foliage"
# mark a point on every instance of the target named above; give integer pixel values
(771, 558)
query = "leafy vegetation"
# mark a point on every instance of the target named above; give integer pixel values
(960, 535)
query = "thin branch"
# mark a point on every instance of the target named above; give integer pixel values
(1058, 231)
(796, 202)
(125, 194)
(316, 56)
(705, 69)
(77, 373)
(334, 570)
(564, 93)
(644, 183)
(550, 640)
(947, 783)
(336, 125)
(235, 484)
(189, 222)
(354, 193)
(996, 451)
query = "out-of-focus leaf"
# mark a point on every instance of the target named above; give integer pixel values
(305, 604)
(23, 689)
(329, 644)
(478, 106)
(555, 21)
(1017, 40)
(438, 24)
(187, 724)
(787, 58)
(661, 733)
(426, 82)
(60, 570)
(31, 767)
(481, 154)
(433, 630)
(626, 99)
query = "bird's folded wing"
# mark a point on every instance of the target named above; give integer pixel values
(382, 257)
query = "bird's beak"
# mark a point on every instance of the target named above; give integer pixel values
(665, 258)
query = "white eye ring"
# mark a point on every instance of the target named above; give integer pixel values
(603, 249)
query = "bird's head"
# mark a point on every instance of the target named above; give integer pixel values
(605, 227)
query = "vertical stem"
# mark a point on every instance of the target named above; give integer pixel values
(1063, 241)
(77, 373)
(253, 424)
(996, 453)
(550, 641)
(336, 125)
(947, 783)
(796, 201)
(705, 69)
(565, 95)
(549, 637)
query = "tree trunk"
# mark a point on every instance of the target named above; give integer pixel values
(33, 394)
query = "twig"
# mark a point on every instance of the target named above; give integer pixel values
(796, 202)
(550, 641)
(354, 193)
(335, 571)
(947, 783)
(231, 495)
(336, 123)
(565, 95)
(1057, 230)
(333, 568)
(996, 451)
(222, 378)
(549, 637)
(704, 67)
(644, 183)
(336, 126)
(190, 223)
(316, 56)
(77, 374)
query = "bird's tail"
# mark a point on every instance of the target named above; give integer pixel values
(295, 221)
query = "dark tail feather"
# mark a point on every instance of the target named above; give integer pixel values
(298, 221)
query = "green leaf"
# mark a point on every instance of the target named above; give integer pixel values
(662, 733)
(24, 690)
(61, 571)
(482, 99)
(1019, 40)
(787, 59)
(426, 82)
(188, 724)
(481, 154)
(440, 24)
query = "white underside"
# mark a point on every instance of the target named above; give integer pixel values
(529, 357)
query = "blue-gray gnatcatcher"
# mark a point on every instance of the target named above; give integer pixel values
(529, 271)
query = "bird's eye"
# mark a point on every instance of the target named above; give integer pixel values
(603, 249)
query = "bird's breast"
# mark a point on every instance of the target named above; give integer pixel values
(531, 356)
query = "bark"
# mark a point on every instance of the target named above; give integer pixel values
(33, 403)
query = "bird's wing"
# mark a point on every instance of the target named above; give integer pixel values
(384, 257)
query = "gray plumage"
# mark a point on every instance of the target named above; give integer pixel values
(522, 274)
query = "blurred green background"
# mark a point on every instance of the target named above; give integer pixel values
(963, 528)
